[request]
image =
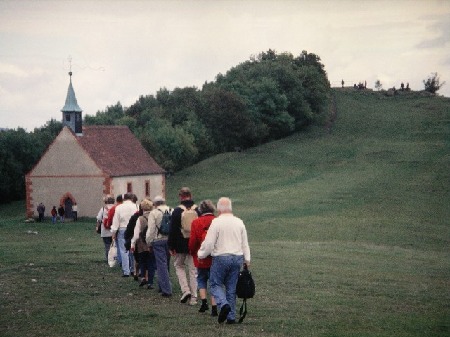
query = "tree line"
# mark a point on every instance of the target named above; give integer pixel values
(267, 97)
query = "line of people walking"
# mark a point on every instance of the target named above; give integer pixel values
(204, 248)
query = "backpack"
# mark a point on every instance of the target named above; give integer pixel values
(164, 226)
(129, 232)
(188, 215)
(245, 288)
(141, 245)
(106, 221)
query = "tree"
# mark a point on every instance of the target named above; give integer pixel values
(432, 84)
(378, 85)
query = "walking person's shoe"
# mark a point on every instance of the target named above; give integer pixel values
(224, 311)
(186, 296)
(193, 301)
(204, 307)
(214, 311)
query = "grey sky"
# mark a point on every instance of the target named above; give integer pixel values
(123, 49)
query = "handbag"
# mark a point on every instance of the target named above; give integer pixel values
(112, 254)
(245, 288)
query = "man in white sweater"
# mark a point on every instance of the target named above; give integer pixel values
(227, 243)
(120, 221)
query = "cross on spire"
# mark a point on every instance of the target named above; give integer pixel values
(70, 65)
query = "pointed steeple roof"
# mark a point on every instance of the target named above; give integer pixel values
(71, 104)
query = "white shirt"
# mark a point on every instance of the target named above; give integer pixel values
(227, 235)
(122, 215)
(101, 216)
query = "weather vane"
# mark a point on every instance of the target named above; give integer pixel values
(70, 65)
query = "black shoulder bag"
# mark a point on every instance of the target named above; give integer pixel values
(245, 288)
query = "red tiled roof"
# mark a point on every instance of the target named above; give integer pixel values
(117, 151)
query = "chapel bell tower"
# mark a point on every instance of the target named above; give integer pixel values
(71, 112)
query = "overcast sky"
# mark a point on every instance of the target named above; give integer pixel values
(121, 50)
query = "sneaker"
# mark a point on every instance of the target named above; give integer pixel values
(166, 295)
(230, 321)
(204, 307)
(150, 286)
(193, 301)
(186, 296)
(143, 282)
(224, 311)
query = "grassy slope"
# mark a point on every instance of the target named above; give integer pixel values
(358, 217)
(349, 234)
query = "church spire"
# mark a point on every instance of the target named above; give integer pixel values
(71, 104)
(71, 111)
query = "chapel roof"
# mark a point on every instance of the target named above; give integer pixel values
(71, 104)
(117, 151)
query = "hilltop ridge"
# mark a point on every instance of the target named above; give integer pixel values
(383, 169)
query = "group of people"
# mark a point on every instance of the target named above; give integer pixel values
(205, 248)
(55, 213)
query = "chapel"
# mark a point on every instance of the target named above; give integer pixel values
(85, 163)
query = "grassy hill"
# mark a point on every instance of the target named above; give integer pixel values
(380, 176)
(349, 230)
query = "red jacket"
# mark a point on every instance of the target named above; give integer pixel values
(198, 232)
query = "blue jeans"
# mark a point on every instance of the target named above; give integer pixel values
(224, 273)
(126, 258)
(160, 250)
(202, 278)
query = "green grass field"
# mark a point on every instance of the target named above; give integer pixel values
(349, 232)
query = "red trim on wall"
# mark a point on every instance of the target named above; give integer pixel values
(107, 185)
(29, 198)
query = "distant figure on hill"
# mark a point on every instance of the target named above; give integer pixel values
(402, 86)
(342, 82)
